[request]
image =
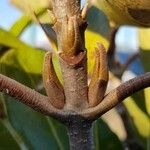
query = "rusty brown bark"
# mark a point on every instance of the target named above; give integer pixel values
(27, 96)
(117, 95)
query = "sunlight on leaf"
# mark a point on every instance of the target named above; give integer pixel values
(140, 119)
(144, 36)
(105, 138)
(91, 43)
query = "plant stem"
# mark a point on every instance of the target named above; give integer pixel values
(80, 134)
(26, 95)
(75, 82)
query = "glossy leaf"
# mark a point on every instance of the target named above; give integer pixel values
(22, 23)
(105, 138)
(91, 43)
(8, 136)
(139, 118)
(11, 41)
(6, 139)
(97, 31)
(138, 104)
(35, 129)
(144, 35)
(98, 22)
(24, 64)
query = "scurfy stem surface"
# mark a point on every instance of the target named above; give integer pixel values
(80, 134)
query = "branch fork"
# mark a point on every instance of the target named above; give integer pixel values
(57, 105)
(75, 96)
(74, 101)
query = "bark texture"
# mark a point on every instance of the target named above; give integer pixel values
(80, 133)
(75, 82)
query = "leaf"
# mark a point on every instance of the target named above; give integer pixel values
(97, 28)
(29, 7)
(11, 41)
(144, 35)
(35, 129)
(8, 136)
(139, 118)
(91, 43)
(105, 138)
(139, 99)
(26, 5)
(6, 139)
(98, 22)
(138, 104)
(24, 64)
(21, 24)
(97, 31)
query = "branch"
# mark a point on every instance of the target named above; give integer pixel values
(112, 46)
(27, 96)
(117, 95)
(130, 60)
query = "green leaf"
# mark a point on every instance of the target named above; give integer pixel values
(6, 139)
(139, 99)
(29, 7)
(98, 22)
(97, 31)
(11, 41)
(144, 35)
(139, 108)
(35, 129)
(21, 24)
(8, 136)
(105, 138)
(24, 64)
(139, 118)
(91, 43)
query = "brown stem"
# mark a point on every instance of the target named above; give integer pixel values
(69, 26)
(114, 65)
(74, 72)
(117, 95)
(112, 47)
(80, 133)
(63, 8)
(27, 96)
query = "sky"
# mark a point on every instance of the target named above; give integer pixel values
(8, 14)
(126, 40)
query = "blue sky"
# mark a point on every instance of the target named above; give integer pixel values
(8, 14)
